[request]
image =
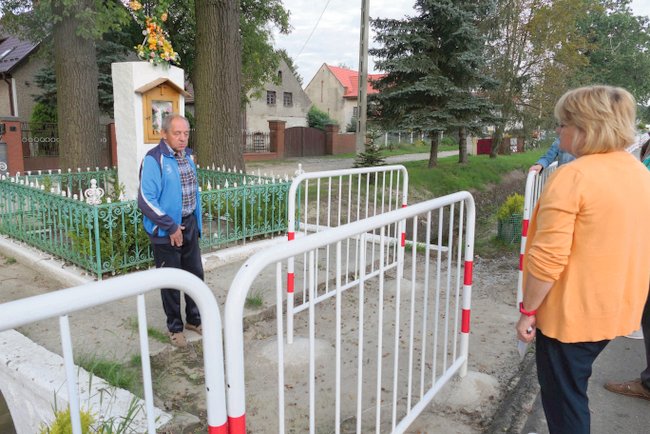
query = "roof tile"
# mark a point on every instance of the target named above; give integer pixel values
(16, 50)
(350, 81)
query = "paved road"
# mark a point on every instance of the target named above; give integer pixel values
(312, 164)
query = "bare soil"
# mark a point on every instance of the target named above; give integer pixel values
(178, 373)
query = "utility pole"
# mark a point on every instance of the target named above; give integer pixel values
(362, 99)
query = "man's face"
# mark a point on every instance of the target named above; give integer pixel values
(177, 135)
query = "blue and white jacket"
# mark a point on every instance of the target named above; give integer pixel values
(555, 153)
(160, 196)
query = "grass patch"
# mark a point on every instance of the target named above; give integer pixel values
(9, 260)
(113, 373)
(254, 300)
(153, 333)
(480, 170)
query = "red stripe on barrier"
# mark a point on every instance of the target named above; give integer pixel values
(469, 265)
(521, 262)
(524, 228)
(464, 328)
(223, 429)
(291, 235)
(403, 205)
(290, 282)
(403, 239)
(237, 425)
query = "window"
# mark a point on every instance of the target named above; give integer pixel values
(355, 112)
(5, 53)
(270, 97)
(288, 99)
(280, 76)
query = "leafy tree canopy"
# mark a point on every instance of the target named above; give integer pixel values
(34, 20)
(618, 50)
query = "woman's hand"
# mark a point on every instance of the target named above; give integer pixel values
(526, 328)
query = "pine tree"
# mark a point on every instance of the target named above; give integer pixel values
(371, 157)
(434, 68)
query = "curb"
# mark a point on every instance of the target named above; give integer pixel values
(517, 403)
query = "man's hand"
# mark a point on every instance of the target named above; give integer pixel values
(535, 168)
(526, 328)
(177, 237)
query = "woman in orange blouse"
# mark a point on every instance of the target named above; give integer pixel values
(587, 263)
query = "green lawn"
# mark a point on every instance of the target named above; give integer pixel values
(481, 170)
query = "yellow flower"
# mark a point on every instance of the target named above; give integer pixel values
(163, 17)
(135, 5)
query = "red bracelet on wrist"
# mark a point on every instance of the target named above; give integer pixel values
(526, 312)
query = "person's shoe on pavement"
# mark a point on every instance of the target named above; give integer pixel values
(195, 328)
(629, 388)
(178, 339)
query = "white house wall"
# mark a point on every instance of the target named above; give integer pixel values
(258, 112)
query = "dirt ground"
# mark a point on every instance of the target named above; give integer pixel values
(178, 374)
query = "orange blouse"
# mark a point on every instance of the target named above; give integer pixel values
(589, 234)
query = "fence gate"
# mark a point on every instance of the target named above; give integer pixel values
(304, 142)
(380, 345)
(534, 186)
(330, 199)
(61, 303)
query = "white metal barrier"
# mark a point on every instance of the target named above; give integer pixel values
(64, 302)
(330, 199)
(417, 307)
(534, 186)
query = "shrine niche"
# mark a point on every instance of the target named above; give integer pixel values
(160, 98)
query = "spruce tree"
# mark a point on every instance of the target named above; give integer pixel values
(434, 67)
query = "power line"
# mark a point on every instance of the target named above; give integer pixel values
(314, 29)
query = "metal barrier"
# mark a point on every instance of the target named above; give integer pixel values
(61, 303)
(534, 186)
(348, 195)
(363, 382)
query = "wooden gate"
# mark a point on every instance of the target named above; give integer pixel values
(304, 142)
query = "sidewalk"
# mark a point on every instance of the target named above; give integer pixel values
(312, 164)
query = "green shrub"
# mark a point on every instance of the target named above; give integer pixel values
(62, 423)
(448, 141)
(514, 205)
(43, 114)
(317, 118)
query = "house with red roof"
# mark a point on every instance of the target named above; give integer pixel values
(17, 69)
(335, 90)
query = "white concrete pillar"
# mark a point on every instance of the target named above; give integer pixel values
(129, 116)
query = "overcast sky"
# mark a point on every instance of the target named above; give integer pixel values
(335, 38)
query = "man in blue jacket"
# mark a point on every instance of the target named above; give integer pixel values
(553, 153)
(169, 199)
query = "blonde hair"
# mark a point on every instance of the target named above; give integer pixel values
(603, 115)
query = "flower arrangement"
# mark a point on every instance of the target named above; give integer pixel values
(155, 48)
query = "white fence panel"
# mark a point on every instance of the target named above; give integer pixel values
(386, 342)
(534, 186)
(67, 301)
(330, 199)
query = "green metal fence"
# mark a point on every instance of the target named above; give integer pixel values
(48, 211)
(509, 230)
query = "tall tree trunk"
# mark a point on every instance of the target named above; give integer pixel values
(218, 83)
(462, 145)
(497, 139)
(435, 142)
(75, 67)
